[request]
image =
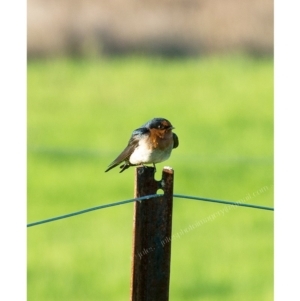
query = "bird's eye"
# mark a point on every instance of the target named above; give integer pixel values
(159, 126)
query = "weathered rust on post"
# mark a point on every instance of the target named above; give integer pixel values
(152, 230)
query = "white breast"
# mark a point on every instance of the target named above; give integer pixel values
(142, 154)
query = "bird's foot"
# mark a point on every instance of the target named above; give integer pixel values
(146, 166)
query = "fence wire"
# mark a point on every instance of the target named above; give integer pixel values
(147, 197)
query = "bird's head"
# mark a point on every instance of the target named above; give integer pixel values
(160, 127)
(160, 124)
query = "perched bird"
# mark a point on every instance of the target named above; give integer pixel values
(151, 143)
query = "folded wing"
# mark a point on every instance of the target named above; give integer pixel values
(126, 153)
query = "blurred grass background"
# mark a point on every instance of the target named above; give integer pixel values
(81, 113)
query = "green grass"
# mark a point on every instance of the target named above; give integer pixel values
(80, 116)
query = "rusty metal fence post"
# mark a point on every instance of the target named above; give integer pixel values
(152, 230)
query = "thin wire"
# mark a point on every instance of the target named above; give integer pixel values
(222, 202)
(93, 208)
(146, 198)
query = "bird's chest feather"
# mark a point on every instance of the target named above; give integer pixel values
(153, 149)
(160, 139)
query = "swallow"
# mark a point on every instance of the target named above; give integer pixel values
(150, 144)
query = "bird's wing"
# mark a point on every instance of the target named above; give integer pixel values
(175, 140)
(132, 144)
